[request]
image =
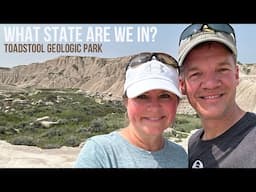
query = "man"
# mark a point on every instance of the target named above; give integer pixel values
(209, 77)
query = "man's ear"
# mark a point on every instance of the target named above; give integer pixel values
(183, 91)
(182, 87)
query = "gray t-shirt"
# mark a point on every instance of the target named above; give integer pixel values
(113, 151)
(235, 148)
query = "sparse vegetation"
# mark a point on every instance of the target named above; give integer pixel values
(183, 125)
(54, 118)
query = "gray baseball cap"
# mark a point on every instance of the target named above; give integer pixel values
(204, 35)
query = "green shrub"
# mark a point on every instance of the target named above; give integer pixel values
(23, 140)
(78, 117)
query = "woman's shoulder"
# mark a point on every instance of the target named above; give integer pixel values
(109, 137)
(174, 145)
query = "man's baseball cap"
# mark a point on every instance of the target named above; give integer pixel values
(195, 34)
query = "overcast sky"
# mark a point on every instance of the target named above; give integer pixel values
(102, 40)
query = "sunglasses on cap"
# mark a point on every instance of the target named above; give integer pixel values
(196, 28)
(148, 56)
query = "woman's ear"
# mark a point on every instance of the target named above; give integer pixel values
(125, 101)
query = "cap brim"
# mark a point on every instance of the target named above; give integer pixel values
(151, 84)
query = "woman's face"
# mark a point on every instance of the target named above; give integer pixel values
(152, 112)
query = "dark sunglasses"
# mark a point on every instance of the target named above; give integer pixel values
(195, 28)
(148, 56)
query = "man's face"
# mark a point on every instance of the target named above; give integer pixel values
(209, 79)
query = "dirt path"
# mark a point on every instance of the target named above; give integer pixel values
(19, 156)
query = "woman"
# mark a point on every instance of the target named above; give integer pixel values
(151, 97)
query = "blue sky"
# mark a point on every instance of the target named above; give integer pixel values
(110, 40)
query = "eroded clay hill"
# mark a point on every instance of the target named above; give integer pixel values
(103, 75)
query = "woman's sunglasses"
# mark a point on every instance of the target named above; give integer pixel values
(195, 28)
(148, 56)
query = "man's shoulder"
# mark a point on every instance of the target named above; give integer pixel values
(196, 132)
(195, 135)
(251, 115)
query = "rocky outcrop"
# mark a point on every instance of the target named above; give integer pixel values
(85, 73)
(103, 76)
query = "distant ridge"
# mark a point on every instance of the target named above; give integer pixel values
(103, 75)
(85, 73)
